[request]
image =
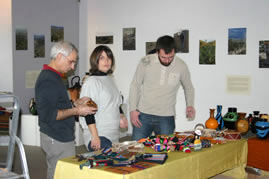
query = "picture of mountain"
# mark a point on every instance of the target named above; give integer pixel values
(237, 41)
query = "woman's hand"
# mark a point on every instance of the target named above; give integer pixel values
(96, 143)
(123, 121)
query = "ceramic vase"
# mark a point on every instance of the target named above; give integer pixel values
(219, 117)
(230, 118)
(212, 123)
(249, 118)
(255, 119)
(242, 123)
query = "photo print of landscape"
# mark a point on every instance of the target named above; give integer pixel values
(128, 39)
(264, 54)
(237, 41)
(39, 46)
(182, 41)
(21, 39)
(57, 33)
(150, 48)
(104, 39)
(207, 52)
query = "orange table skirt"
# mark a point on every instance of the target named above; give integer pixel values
(258, 153)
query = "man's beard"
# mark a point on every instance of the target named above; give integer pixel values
(165, 64)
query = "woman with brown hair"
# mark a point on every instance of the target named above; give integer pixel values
(102, 129)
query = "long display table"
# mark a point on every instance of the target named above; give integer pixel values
(229, 159)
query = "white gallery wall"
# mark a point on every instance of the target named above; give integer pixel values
(6, 69)
(37, 17)
(207, 19)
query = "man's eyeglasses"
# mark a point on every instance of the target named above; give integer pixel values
(71, 62)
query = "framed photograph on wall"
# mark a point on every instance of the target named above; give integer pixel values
(21, 39)
(57, 33)
(150, 48)
(128, 39)
(39, 46)
(104, 39)
(237, 41)
(182, 41)
(207, 52)
(264, 54)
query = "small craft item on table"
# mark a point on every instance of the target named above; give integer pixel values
(132, 146)
(159, 158)
(200, 141)
(209, 133)
(214, 136)
(105, 158)
(132, 160)
(197, 144)
(262, 129)
(185, 134)
(163, 143)
(218, 140)
(232, 135)
(97, 163)
(177, 142)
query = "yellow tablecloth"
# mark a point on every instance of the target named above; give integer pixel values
(229, 159)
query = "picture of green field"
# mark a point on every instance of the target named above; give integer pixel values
(57, 33)
(207, 52)
(39, 46)
(21, 39)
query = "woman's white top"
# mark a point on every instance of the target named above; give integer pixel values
(104, 92)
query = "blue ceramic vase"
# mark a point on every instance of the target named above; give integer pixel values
(219, 117)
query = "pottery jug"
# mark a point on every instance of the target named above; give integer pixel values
(242, 123)
(250, 118)
(262, 129)
(265, 117)
(230, 118)
(212, 123)
(255, 119)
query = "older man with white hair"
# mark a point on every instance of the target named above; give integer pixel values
(55, 111)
